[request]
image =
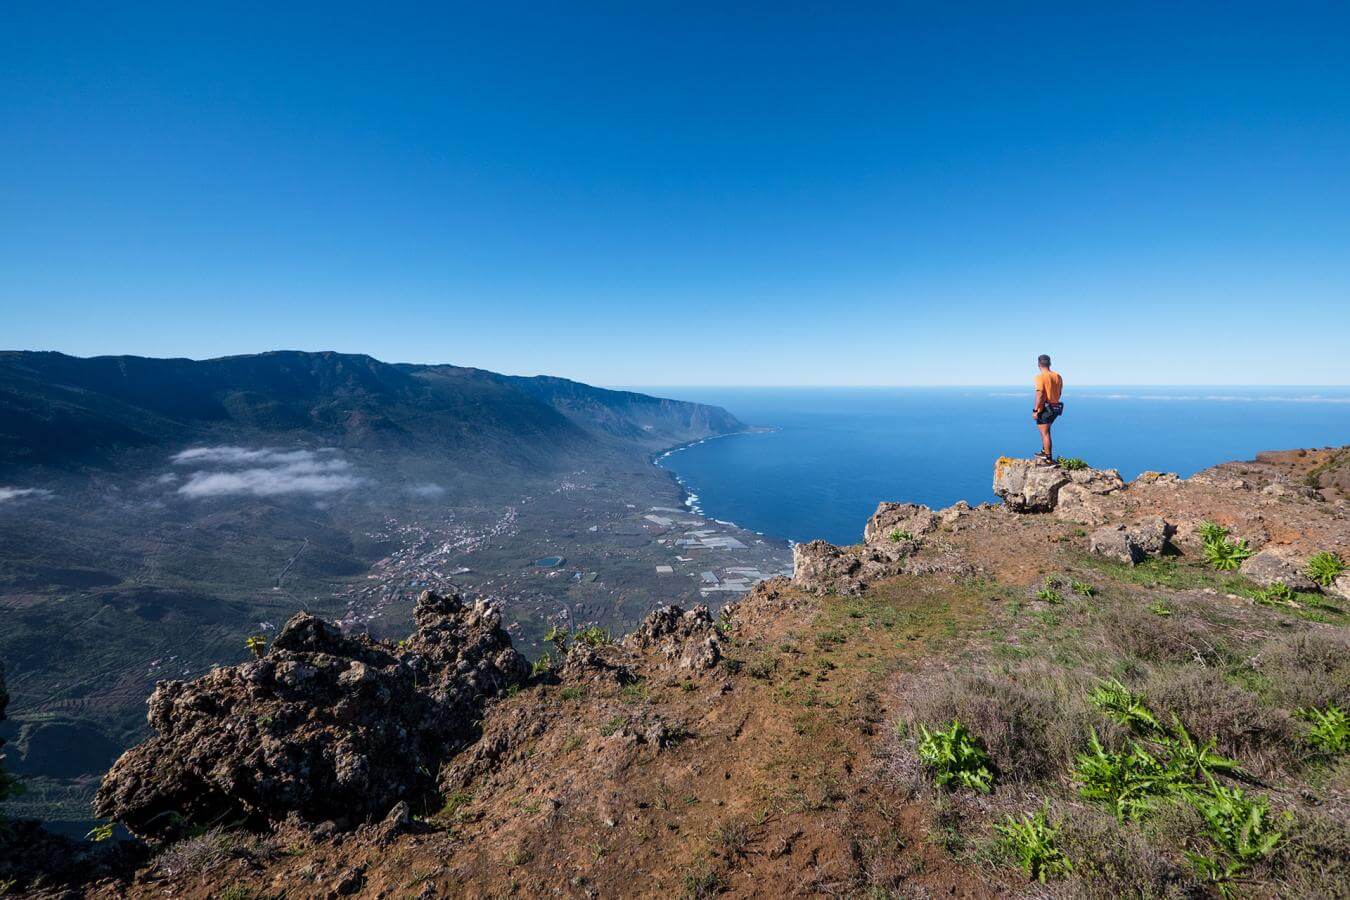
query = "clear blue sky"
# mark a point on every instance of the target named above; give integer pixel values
(660, 193)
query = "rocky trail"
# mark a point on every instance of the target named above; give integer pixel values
(774, 748)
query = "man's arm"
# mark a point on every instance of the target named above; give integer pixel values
(1040, 398)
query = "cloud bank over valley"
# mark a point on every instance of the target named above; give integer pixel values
(264, 472)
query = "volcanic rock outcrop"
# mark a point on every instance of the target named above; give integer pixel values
(1276, 565)
(892, 539)
(1132, 544)
(688, 640)
(323, 725)
(892, 519)
(1028, 485)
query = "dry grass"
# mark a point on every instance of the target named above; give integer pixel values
(1261, 738)
(1130, 629)
(1311, 669)
(1315, 862)
(204, 852)
(1032, 720)
(1113, 860)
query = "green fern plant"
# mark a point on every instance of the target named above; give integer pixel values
(1220, 874)
(956, 757)
(1324, 568)
(1277, 594)
(100, 833)
(1211, 532)
(1049, 595)
(9, 787)
(1241, 826)
(1119, 703)
(1227, 554)
(1130, 781)
(557, 635)
(1330, 732)
(594, 636)
(1193, 761)
(1032, 842)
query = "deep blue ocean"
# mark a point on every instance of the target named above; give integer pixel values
(835, 453)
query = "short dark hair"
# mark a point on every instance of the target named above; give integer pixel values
(1043, 360)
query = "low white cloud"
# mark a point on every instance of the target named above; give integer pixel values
(427, 489)
(263, 472)
(237, 456)
(13, 493)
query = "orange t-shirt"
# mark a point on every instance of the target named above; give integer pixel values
(1050, 385)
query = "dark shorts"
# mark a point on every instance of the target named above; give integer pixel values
(1049, 413)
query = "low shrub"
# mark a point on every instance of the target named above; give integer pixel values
(1263, 739)
(1314, 858)
(1132, 630)
(1307, 670)
(1072, 463)
(1030, 721)
(898, 535)
(204, 852)
(1113, 860)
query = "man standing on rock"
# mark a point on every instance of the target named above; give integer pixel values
(1049, 386)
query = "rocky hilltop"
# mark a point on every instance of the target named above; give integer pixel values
(1092, 688)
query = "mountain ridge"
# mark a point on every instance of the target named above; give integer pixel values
(61, 410)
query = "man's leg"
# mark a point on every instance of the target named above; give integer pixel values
(1047, 446)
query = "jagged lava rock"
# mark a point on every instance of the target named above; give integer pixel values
(686, 639)
(1277, 565)
(1027, 485)
(823, 568)
(1131, 545)
(891, 517)
(325, 725)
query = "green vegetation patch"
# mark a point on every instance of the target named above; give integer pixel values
(1033, 842)
(1324, 568)
(1330, 731)
(957, 758)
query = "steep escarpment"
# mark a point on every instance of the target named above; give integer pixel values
(61, 412)
(1126, 689)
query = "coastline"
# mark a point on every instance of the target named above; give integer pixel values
(690, 500)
